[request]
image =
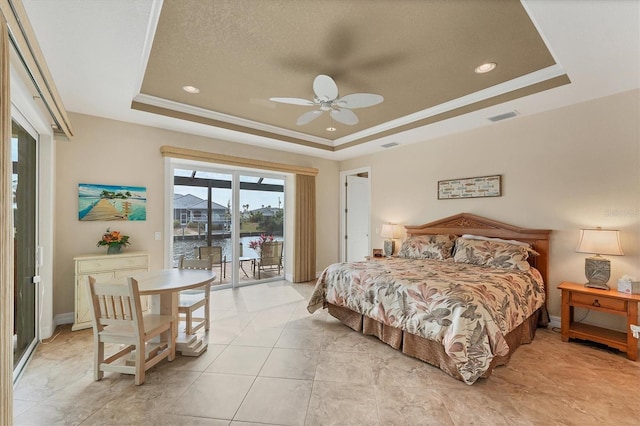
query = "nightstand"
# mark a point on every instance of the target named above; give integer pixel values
(376, 258)
(607, 301)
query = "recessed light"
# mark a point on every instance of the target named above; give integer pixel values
(331, 129)
(489, 66)
(190, 89)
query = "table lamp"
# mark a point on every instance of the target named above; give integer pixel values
(389, 231)
(599, 241)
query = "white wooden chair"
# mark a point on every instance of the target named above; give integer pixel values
(216, 256)
(190, 300)
(117, 318)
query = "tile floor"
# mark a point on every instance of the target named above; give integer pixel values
(270, 362)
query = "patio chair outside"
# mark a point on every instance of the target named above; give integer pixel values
(217, 258)
(270, 256)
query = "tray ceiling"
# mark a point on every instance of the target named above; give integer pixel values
(128, 60)
(419, 55)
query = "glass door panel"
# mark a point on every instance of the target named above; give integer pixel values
(24, 185)
(261, 228)
(202, 215)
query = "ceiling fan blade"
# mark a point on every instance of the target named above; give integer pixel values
(344, 116)
(308, 117)
(360, 100)
(325, 88)
(293, 101)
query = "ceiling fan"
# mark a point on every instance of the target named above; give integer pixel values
(326, 98)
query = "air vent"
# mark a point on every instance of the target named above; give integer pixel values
(503, 116)
(389, 145)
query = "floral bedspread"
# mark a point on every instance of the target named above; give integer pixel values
(467, 308)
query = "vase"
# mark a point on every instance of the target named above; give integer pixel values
(114, 249)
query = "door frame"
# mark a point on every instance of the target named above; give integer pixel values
(235, 172)
(343, 207)
(24, 123)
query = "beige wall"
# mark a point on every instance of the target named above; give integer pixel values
(563, 170)
(113, 152)
(566, 169)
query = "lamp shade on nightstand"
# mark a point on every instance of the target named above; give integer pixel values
(599, 241)
(389, 231)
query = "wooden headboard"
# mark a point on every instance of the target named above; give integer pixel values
(466, 223)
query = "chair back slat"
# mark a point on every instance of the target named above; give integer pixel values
(115, 304)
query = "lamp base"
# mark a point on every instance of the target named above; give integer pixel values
(597, 269)
(389, 247)
(601, 286)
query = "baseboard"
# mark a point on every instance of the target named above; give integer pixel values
(46, 332)
(554, 322)
(66, 318)
(288, 277)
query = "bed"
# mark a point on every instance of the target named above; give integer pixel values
(464, 293)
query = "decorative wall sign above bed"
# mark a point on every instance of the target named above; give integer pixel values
(475, 187)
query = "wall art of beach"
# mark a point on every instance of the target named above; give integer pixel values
(111, 202)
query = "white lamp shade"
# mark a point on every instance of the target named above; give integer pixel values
(600, 241)
(390, 230)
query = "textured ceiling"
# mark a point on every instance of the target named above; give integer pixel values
(98, 52)
(419, 55)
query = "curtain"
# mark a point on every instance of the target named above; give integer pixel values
(304, 268)
(6, 235)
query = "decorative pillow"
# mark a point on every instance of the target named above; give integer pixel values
(498, 240)
(437, 247)
(492, 254)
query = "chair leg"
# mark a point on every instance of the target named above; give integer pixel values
(98, 357)
(189, 321)
(207, 305)
(140, 362)
(171, 343)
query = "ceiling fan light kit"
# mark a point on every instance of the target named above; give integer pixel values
(326, 99)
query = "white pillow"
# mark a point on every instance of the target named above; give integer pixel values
(498, 240)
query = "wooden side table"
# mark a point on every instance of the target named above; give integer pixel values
(376, 257)
(607, 301)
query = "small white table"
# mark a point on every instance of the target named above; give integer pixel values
(167, 283)
(243, 259)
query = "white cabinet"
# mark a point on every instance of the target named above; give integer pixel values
(103, 267)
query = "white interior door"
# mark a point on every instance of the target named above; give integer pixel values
(357, 218)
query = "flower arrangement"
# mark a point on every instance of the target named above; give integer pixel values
(113, 238)
(257, 244)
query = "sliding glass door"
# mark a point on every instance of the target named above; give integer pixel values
(261, 227)
(24, 188)
(237, 214)
(202, 218)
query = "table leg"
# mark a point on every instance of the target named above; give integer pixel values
(566, 316)
(632, 342)
(242, 268)
(186, 344)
